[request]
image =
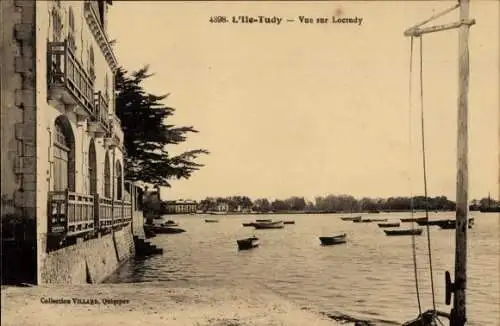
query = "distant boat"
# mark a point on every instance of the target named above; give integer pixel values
(403, 232)
(261, 221)
(289, 222)
(170, 223)
(211, 221)
(249, 224)
(350, 218)
(452, 224)
(435, 222)
(248, 243)
(333, 240)
(413, 219)
(388, 225)
(369, 220)
(161, 229)
(269, 225)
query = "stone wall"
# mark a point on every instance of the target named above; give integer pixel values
(91, 261)
(18, 139)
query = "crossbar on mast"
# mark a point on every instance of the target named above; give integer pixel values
(416, 31)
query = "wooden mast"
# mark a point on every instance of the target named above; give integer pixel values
(458, 312)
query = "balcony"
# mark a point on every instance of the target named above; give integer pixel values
(71, 214)
(116, 135)
(68, 82)
(100, 123)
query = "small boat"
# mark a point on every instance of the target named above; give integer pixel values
(211, 221)
(413, 219)
(350, 218)
(289, 222)
(369, 220)
(263, 221)
(388, 225)
(336, 239)
(269, 225)
(435, 222)
(165, 229)
(249, 224)
(403, 232)
(248, 243)
(452, 224)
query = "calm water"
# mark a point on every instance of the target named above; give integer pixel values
(370, 277)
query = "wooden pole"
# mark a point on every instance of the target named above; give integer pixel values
(458, 312)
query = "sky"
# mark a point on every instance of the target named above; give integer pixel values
(314, 109)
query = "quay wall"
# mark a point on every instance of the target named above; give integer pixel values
(91, 261)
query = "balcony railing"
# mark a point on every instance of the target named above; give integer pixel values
(70, 213)
(73, 214)
(104, 212)
(100, 123)
(67, 81)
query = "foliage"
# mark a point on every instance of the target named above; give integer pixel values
(148, 136)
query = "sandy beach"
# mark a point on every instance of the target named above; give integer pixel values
(151, 304)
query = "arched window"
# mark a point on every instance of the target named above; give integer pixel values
(118, 181)
(107, 177)
(92, 173)
(91, 62)
(64, 155)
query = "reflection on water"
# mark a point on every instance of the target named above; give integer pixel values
(369, 277)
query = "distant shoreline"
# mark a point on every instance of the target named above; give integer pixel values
(301, 212)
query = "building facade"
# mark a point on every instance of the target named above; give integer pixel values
(62, 143)
(181, 206)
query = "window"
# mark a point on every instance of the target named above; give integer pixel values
(119, 181)
(92, 166)
(56, 25)
(106, 88)
(71, 33)
(107, 177)
(91, 63)
(64, 163)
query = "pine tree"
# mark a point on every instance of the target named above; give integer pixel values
(147, 134)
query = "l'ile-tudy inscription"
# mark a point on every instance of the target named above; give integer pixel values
(84, 301)
(277, 20)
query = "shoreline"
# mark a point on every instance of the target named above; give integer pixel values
(153, 304)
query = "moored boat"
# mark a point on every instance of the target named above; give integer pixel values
(388, 225)
(162, 229)
(269, 225)
(263, 221)
(248, 224)
(248, 243)
(435, 222)
(403, 232)
(211, 221)
(350, 218)
(289, 222)
(333, 240)
(452, 224)
(413, 219)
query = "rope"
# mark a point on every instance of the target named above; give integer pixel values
(414, 249)
(425, 176)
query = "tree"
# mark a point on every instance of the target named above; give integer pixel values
(147, 136)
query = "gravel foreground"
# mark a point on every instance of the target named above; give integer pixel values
(152, 304)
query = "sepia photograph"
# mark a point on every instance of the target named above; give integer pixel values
(250, 163)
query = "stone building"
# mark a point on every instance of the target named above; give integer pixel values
(62, 143)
